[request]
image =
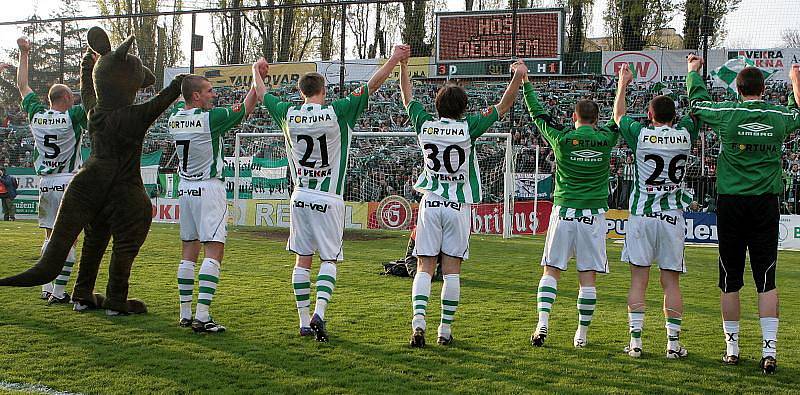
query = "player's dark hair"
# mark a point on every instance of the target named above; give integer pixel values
(311, 84)
(58, 93)
(663, 108)
(750, 82)
(191, 84)
(588, 111)
(451, 101)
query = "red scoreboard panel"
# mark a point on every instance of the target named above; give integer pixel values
(487, 35)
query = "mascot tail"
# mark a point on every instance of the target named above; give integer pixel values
(73, 216)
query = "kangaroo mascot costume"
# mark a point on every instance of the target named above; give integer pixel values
(106, 198)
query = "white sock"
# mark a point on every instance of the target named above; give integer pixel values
(301, 283)
(186, 288)
(61, 280)
(636, 324)
(451, 293)
(731, 329)
(545, 297)
(673, 325)
(207, 287)
(420, 292)
(326, 282)
(49, 286)
(769, 334)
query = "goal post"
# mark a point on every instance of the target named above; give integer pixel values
(380, 161)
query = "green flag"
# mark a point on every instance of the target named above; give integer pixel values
(726, 74)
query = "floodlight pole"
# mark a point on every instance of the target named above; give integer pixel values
(191, 44)
(61, 58)
(342, 52)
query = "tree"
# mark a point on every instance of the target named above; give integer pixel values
(791, 38)
(577, 23)
(228, 36)
(287, 27)
(414, 27)
(631, 23)
(46, 57)
(263, 22)
(693, 11)
(151, 45)
(358, 16)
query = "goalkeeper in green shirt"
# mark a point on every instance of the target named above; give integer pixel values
(577, 221)
(751, 134)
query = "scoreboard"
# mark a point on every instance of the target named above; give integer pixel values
(486, 37)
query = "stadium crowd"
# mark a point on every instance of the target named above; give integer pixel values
(384, 166)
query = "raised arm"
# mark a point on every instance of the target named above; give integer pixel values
(543, 121)
(401, 52)
(520, 72)
(260, 69)
(88, 96)
(694, 82)
(150, 110)
(250, 101)
(22, 71)
(405, 84)
(620, 106)
(794, 99)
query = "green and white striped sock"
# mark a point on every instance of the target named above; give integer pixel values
(587, 299)
(301, 283)
(61, 281)
(420, 292)
(545, 297)
(451, 293)
(326, 282)
(636, 324)
(186, 288)
(673, 325)
(207, 282)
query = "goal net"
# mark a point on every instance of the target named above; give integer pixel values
(378, 193)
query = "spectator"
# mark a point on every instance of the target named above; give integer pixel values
(8, 191)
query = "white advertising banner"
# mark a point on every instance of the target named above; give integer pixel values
(354, 70)
(655, 66)
(789, 232)
(779, 60)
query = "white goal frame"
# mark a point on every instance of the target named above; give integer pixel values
(508, 174)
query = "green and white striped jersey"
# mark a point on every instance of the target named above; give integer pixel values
(318, 138)
(451, 167)
(198, 137)
(661, 153)
(57, 136)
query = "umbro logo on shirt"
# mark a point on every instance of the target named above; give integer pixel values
(755, 129)
(587, 153)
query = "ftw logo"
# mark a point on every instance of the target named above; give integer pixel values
(755, 129)
(644, 67)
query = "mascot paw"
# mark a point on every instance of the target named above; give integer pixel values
(84, 304)
(136, 306)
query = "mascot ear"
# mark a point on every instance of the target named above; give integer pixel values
(149, 77)
(122, 51)
(98, 40)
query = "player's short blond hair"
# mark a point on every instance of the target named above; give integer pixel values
(59, 93)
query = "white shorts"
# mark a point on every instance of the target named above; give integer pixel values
(204, 210)
(51, 190)
(657, 237)
(584, 238)
(442, 226)
(316, 225)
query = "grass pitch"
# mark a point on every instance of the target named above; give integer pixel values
(368, 321)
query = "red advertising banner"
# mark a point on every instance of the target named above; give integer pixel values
(396, 213)
(474, 36)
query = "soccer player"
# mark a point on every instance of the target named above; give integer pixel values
(751, 134)
(57, 136)
(318, 139)
(577, 222)
(198, 129)
(450, 182)
(656, 228)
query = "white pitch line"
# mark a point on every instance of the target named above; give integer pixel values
(32, 388)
